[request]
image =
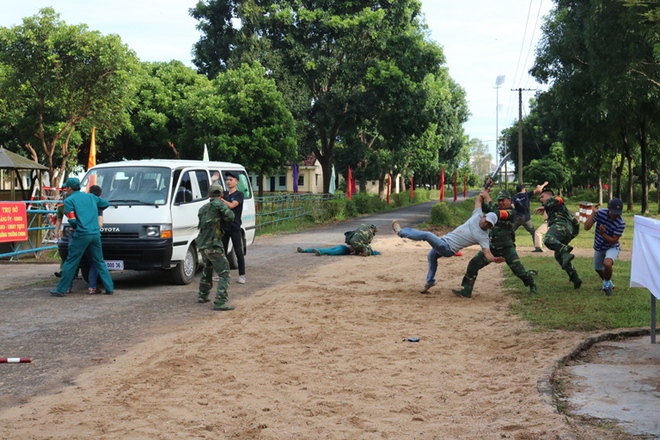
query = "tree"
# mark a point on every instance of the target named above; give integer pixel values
(480, 158)
(155, 122)
(243, 118)
(334, 52)
(57, 77)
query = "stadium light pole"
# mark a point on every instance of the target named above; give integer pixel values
(498, 83)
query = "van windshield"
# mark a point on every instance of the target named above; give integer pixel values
(131, 185)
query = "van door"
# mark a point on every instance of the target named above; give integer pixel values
(187, 199)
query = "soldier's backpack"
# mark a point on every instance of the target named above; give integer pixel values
(348, 235)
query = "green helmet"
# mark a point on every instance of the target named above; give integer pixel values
(374, 228)
(504, 194)
(216, 190)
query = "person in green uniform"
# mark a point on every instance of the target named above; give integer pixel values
(81, 210)
(360, 239)
(211, 217)
(357, 241)
(562, 228)
(502, 244)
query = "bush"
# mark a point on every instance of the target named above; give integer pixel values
(369, 204)
(442, 213)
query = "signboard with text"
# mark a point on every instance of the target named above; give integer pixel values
(13, 222)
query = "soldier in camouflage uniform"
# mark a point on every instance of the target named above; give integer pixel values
(502, 244)
(562, 228)
(209, 242)
(358, 242)
(360, 239)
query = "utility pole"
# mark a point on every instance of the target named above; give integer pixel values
(520, 137)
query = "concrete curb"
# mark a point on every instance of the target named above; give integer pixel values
(544, 383)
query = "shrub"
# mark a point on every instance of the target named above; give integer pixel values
(442, 214)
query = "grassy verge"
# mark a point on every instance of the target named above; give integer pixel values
(559, 306)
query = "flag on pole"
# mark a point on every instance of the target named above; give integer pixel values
(91, 161)
(92, 150)
(205, 158)
(295, 177)
(333, 176)
(442, 184)
(349, 186)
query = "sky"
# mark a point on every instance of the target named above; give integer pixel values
(481, 39)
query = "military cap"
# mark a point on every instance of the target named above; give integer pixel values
(216, 190)
(504, 194)
(73, 183)
(374, 228)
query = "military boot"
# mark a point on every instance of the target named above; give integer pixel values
(466, 288)
(576, 280)
(202, 298)
(533, 290)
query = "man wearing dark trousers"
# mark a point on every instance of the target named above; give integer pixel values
(233, 198)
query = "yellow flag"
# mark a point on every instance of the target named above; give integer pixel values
(92, 150)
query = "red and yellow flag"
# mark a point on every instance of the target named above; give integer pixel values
(92, 150)
(92, 158)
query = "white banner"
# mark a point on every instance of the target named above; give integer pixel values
(645, 268)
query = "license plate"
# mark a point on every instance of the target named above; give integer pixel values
(115, 264)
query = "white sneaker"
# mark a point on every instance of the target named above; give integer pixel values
(396, 227)
(241, 279)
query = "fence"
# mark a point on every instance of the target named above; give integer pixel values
(283, 207)
(41, 230)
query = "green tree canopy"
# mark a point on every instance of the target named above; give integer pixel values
(57, 78)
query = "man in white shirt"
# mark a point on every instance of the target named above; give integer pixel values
(473, 231)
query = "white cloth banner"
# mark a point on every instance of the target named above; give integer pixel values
(645, 267)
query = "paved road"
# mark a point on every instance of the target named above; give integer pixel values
(66, 335)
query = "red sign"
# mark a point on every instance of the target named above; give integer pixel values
(13, 222)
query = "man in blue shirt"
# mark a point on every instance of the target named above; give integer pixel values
(521, 203)
(610, 227)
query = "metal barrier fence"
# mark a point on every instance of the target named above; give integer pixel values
(41, 230)
(282, 207)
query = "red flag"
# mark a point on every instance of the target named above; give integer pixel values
(442, 185)
(349, 185)
(465, 185)
(455, 187)
(412, 187)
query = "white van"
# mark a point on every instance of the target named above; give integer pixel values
(152, 219)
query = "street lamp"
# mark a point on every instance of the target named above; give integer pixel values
(498, 83)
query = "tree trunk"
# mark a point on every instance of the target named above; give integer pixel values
(600, 190)
(381, 185)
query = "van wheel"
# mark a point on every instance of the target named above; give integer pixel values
(184, 272)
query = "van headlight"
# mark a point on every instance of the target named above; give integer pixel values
(153, 231)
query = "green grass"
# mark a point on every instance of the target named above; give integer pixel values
(559, 306)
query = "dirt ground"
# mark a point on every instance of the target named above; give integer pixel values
(327, 356)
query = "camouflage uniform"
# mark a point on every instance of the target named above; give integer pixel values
(502, 244)
(209, 242)
(360, 239)
(562, 228)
